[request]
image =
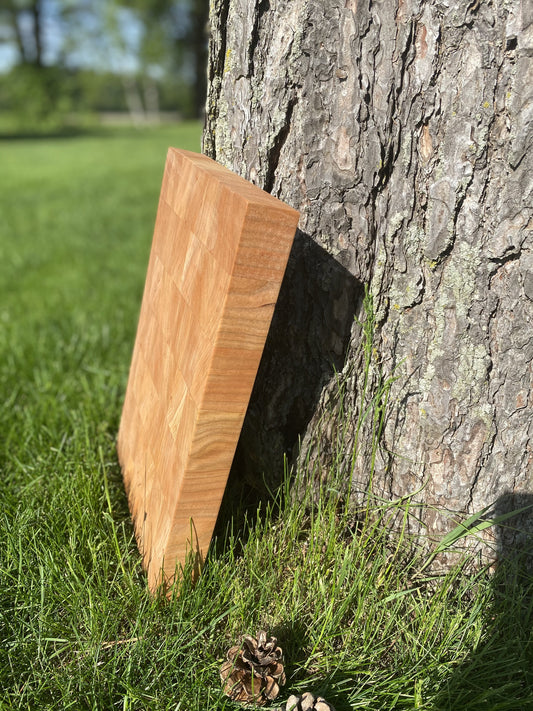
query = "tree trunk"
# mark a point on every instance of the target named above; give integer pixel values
(36, 11)
(134, 100)
(151, 100)
(12, 14)
(27, 25)
(401, 132)
(198, 44)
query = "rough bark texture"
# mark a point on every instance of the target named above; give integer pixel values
(402, 132)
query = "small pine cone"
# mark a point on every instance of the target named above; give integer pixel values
(254, 672)
(307, 702)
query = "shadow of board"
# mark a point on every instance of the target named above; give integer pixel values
(498, 674)
(306, 344)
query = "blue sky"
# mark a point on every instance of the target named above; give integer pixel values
(7, 58)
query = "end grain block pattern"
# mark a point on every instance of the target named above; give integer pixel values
(218, 256)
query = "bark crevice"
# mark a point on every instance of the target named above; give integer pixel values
(262, 8)
(277, 146)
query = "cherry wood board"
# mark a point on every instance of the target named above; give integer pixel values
(218, 256)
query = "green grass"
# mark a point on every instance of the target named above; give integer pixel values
(358, 621)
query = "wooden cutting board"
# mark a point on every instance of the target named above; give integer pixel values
(219, 252)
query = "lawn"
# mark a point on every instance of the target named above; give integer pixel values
(358, 621)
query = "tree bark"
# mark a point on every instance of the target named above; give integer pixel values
(402, 132)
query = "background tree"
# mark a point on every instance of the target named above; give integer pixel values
(23, 24)
(156, 48)
(34, 83)
(402, 132)
(176, 35)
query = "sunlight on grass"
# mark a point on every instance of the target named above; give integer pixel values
(359, 621)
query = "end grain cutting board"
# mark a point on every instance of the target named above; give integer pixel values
(218, 256)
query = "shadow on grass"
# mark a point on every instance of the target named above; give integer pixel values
(293, 638)
(21, 134)
(306, 344)
(69, 132)
(499, 673)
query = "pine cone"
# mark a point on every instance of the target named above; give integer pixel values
(254, 671)
(307, 702)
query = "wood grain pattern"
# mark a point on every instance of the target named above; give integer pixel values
(218, 256)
